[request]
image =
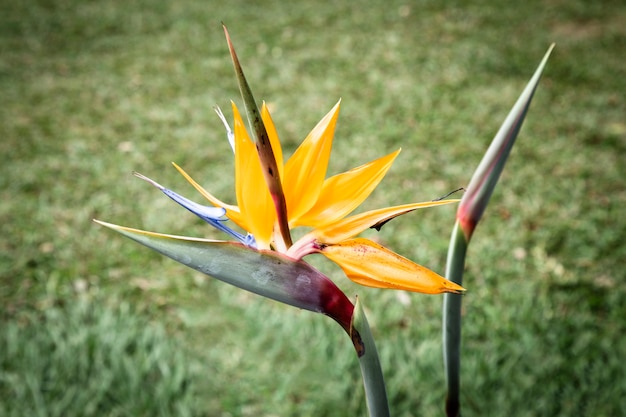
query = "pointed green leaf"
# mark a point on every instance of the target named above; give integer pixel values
(262, 272)
(488, 172)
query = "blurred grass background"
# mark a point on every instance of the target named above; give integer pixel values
(94, 325)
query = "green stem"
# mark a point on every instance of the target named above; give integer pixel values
(373, 380)
(452, 321)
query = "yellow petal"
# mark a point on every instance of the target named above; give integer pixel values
(273, 135)
(343, 193)
(353, 225)
(232, 212)
(212, 199)
(253, 197)
(373, 265)
(306, 169)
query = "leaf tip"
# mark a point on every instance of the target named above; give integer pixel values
(105, 224)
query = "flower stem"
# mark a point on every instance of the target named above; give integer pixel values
(452, 321)
(373, 380)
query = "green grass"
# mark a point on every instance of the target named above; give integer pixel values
(91, 91)
(89, 360)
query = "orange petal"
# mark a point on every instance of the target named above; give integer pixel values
(253, 197)
(212, 199)
(343, 193)
(282, 237)
(373, 265)
(273, 135)
(306, 169)
(353, 225)
(232, 211)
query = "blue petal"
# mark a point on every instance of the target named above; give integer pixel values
(212, 215)
(249, 240)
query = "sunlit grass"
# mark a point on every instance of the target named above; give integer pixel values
(92, 91)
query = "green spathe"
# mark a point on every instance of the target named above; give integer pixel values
(266, 273)
(486, 176)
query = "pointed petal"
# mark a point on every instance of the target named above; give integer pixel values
(353, 225)
(273, 135)
(206, 213)
(262, 272)
(232, 212)
(370, 264)
(253, 197)
(306, 169)
(343, 193)
(212, 215)
(269, 168)
(229, 133)
(212, 199)
(488, 172)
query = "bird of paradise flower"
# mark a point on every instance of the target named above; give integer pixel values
(274, 197)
